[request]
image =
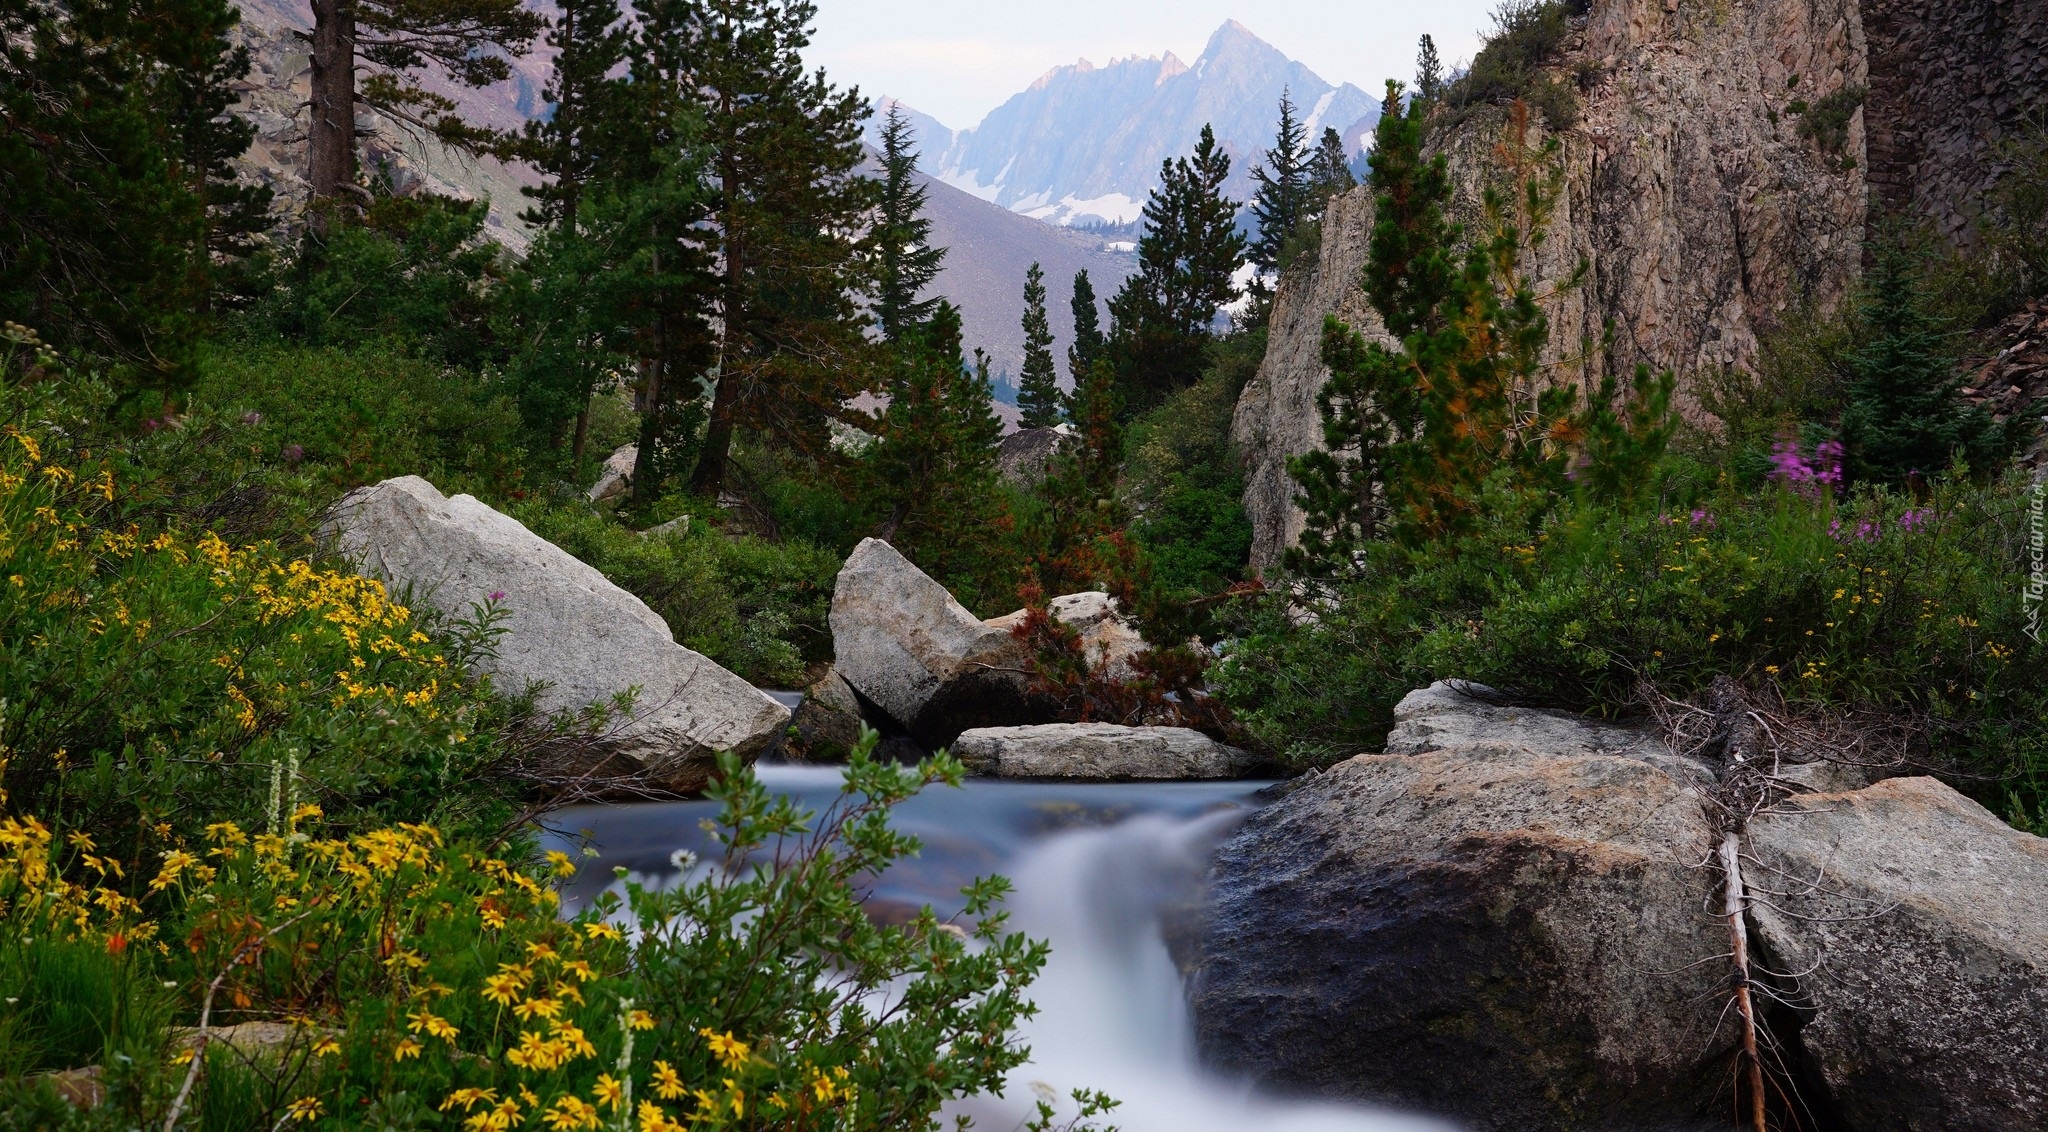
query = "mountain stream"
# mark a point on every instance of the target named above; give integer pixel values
(1100, 870)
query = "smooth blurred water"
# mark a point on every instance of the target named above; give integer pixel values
(1099, 870)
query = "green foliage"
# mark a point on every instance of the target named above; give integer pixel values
(1527, 36)
(306, 424)
(1181, 477)
(1413, 433)
(414, 270)
(70, 1004)
(430, 983)
(1329, 173)
(1088, 341)
(1904, 415)
(906, 260)
(1883, 601)
(156, 680)
(1826, 121)
(113, 145)
(757, 607)
(1281, 201)
(2017, 233)
(1160, 321)
(930, 477)
(1038, 393)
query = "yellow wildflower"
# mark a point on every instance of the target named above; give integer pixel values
(729, 1050)
(667, 1084)
(406, 1048)
(608, 1091)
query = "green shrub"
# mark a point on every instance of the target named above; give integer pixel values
(1881, 601)
(1182, 481)
(1527, 36)
(150, 683)
(756, 606)
(1826, 122)
(432, 985)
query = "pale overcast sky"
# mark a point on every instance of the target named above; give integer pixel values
(958, 59)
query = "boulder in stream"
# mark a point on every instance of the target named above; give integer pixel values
(568, 628)
(1099, 751)
(1920, 923)
(1510, 918)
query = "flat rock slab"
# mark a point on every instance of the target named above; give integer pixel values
(568, 628)
(1099, 751)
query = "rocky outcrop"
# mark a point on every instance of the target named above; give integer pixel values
(1108, 639)
(1276, 412)
(1714, 183)
(1505, 918)
(903, 642)
(568, 629)
(1921, 922)
(616, 477)
(1099, 751)
(828, 722)
(1025, 455)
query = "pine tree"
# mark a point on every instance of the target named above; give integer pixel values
(568, 145)
(393, 41)
(115, 195)
(1282, 199)
(1329, 173)
(1038, 393)
(906, 260)
(1411, 432)
(931, 474)
(1429, 72)
(1088, 341)
(1904, 416)
(788, 210)
(1160, 320)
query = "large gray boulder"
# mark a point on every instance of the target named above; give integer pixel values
(903, 642)
(1508, 918)
(568, 629)
(616, 477)
(1503, 925)
(1099, 751)
(1026, 455)
(1921, 923)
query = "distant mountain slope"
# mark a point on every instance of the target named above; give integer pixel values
(989, 249)
(1085, 142)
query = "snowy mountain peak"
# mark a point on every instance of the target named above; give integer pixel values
(1083, 143)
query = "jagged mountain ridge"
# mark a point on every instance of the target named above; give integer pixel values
(1084, 142)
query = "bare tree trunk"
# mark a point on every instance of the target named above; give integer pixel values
(709, 474)
(331, 137)
(582, 435)
(1733, 904)
(651, 380)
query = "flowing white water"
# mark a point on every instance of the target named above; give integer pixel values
(1113, 1015)
(1097, 870)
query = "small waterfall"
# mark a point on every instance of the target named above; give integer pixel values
(1112, 1013)
(1098, 870)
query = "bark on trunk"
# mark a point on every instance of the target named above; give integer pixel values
(331, 137)
(709, 474)
(653, 375)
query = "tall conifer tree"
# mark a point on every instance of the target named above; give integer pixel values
(789, 211)
(1089, 344)
(115, 191)
(905, 260)
(1329, 172)
(1160, 320)
(1282, 199)
(373, 51)
(1038, 394)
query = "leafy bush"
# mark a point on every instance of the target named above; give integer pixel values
(1826, 122)
(356, 415)
(1882, 599)
(755, 606)
(1182, 481)
(152, 683)
(413, 270)
(434, 985)
(1527, 36)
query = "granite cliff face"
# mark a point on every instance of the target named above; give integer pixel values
(1701, 210)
